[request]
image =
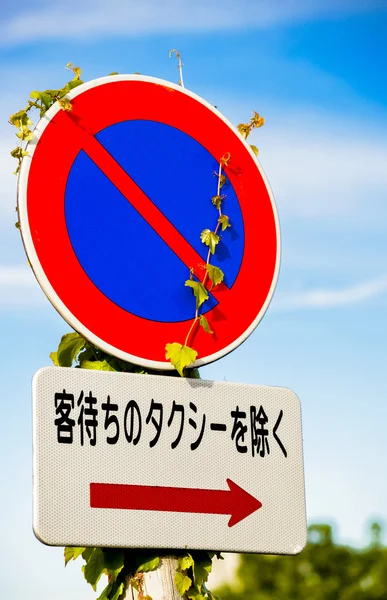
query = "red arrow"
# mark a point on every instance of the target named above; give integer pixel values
(235, 502)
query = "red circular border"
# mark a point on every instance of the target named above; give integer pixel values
(56, 150)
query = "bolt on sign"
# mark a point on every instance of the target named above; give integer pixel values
(149, 461)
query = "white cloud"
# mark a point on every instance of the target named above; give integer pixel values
(322, 164)
(321, 299)
(90, 18)
(19, 288)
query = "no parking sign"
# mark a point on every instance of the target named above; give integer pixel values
(113, 197)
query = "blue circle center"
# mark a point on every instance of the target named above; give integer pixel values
(116, 247)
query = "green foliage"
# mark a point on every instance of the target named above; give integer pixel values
(323, 571)
(182, 582)
(215, 274)
(180, 356)
(224, 222)
(217, 201)
(246, 128)
(96, 365)
(210, 239)
(199, 291)
(149, 563)
(204, 323)
(69, 347)
(41, 101)
(192, 573)
(71, 553)
(121, 566)
(254, 149)
(94, 567)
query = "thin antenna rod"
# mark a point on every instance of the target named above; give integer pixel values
(179, 66)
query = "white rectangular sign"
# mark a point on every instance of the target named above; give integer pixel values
(148, 461)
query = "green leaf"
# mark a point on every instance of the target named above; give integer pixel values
(193, 374)
(204, 323)
(209, 593)
(45, 97)
(18, 152)
(244, 129)
(185, 562)
(53, 93)
(72, 553)
(199, 291)
(182, 582)
(224, 221)
(96, 365)
(114, 559)
(201, 570)
(69, 347)
(87, 553)
(210, 239)
(254, 149)
(68, 87)
(54, 358)
(222, 181)
(76, 70)
(215, 274)
(25, 134)
(86, 354)
(193, 593)
(180, 356)
(94, 567)
(65, 104)
(217, 201)
(113, 73)
(149, 565)
(17, 118)
(117, 593)
(106, 591)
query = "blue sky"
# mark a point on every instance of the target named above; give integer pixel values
(317, 74)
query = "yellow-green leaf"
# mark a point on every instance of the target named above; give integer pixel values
(215, 274)
(44, 97)
(96, 365)
(69, 347)
(149, 565)
(254, 149)
(185, 562)
(217, 201)
(204, 323)
(65, 104)
(180, 356)
(76, 70)
(182, 582)
(244, 129)
(256, 120)
(210, 239)
(224, 221)
(72, 553)
(54, 358)
(199, 291)
(94, 567)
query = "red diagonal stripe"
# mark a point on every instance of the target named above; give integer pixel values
(140, 201)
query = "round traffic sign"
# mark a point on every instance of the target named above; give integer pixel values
(113, 197)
